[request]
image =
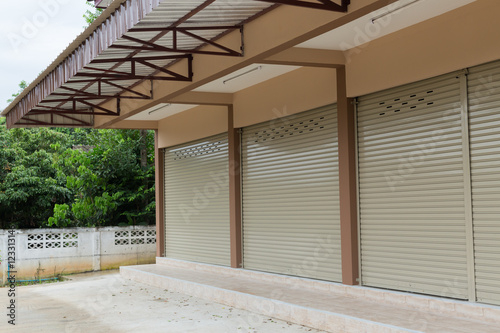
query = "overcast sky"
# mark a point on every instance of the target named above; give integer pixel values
(32, 34)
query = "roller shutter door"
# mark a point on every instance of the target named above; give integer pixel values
(197, 201)
(291, 196)
(411, 179)
(484, 119)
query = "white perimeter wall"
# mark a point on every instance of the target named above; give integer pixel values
(76, 250)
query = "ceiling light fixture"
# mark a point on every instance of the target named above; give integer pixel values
(240, 75)
(392, 11)
(159, 107)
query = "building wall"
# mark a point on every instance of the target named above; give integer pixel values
(455, 40)
(199, 122)
(297, 91)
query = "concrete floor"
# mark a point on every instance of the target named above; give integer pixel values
(105, 302)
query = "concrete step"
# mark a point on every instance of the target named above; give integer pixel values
(322, 305)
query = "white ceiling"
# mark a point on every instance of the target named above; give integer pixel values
(363, 30)
(245, 77)
(162, 110)
(236, 81)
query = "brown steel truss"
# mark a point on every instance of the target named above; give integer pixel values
(318, 4)
(88, 99)
(109, 75)
(52, 122)
(176, 32)
(68, 101)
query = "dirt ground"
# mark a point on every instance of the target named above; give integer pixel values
(105, 302)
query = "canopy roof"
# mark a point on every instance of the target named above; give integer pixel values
(133, 41)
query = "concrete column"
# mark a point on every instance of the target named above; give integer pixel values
(347, 182)
(160, 201)
(234, 143)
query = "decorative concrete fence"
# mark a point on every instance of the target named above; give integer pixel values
(48, 252)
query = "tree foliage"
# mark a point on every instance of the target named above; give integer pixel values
(22, 86)
(91, 14)
(45, 182)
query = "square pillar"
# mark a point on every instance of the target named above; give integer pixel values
(159, 197)
(347, 182)
(234, 146)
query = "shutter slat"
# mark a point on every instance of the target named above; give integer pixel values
(412, 189)
(197, 201)
(290, 196)
(484, 118)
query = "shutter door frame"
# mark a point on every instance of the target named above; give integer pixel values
(484, 124)
(199, 234)
(271, 172)
(371, 256)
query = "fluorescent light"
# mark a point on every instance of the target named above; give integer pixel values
(240, 75)
(159, 107)
(394, 10)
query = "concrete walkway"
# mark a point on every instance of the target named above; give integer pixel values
(105, 302)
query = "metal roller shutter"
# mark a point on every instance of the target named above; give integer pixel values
(411, 178)
(484, 120)
(197, 201)
(291, 196)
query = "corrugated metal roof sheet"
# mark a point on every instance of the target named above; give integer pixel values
(101, 66)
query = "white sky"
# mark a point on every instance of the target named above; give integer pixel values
(32, 34)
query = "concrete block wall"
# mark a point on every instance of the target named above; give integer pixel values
(75, 250)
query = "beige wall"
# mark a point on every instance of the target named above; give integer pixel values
(458, 39)
(197, 123)
(300, 90)
(296, 91)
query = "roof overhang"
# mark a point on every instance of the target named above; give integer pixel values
(136, 41)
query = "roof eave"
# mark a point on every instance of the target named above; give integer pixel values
(69, 49)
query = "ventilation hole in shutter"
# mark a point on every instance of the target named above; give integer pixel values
(405, 103)
(389, 107)
(397, 110)
(430, 91)
(422, 99)
(430, 103)
(304, 126)
(194, 151)
(397, 99)
(413, 107)
(411, 96)
(381, 114)
(381, 103)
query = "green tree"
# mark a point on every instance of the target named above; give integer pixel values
(22, 86)
(112, 183)
(91, 14)
(29, 184)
